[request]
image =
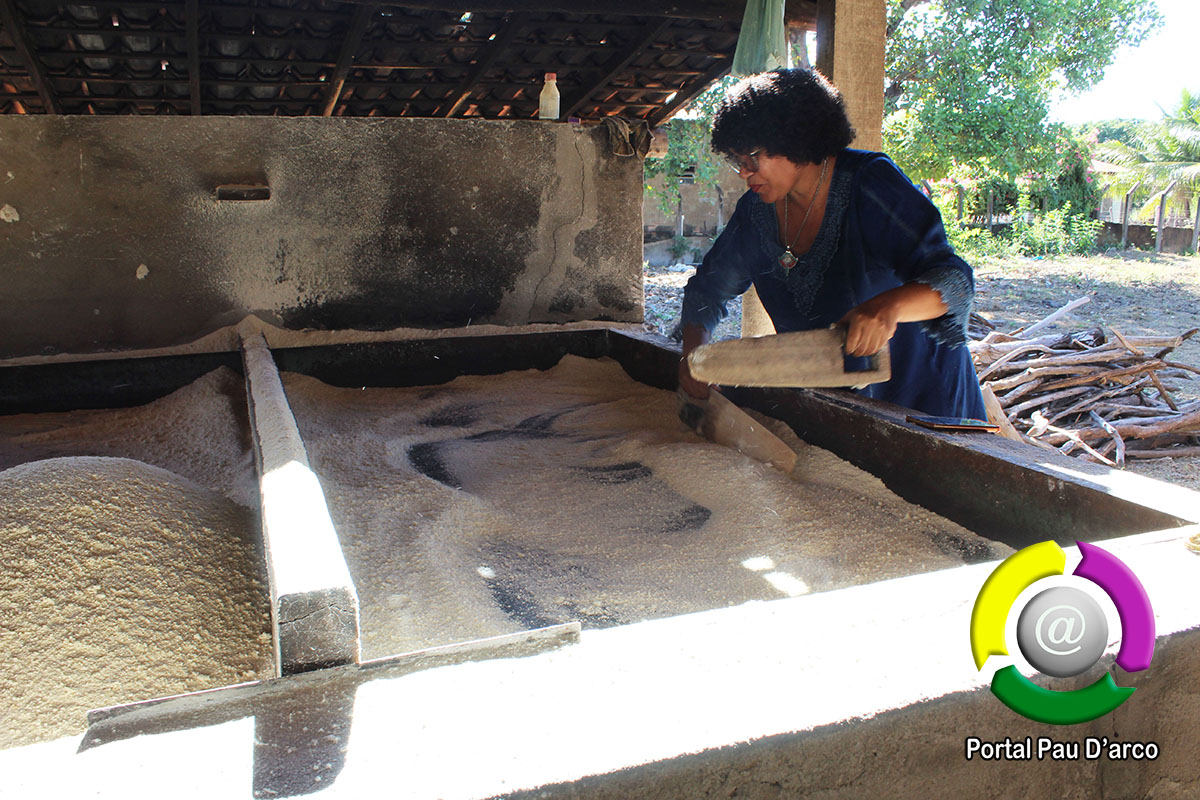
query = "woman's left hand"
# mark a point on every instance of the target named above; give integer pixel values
(872, 325)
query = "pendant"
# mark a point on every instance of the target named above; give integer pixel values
(787, 259)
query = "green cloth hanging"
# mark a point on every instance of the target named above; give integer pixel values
(763, 42)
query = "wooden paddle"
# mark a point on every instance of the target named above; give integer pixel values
(802, 358)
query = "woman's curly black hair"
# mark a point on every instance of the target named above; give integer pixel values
(795, 113)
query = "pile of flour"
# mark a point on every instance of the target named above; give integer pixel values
(200, 431)
(131, 564)
(121, 582)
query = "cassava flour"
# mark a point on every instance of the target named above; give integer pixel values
(121, 582)
(496, 503)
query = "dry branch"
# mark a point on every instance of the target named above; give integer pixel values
(1062, 312)
(1118, 441)
(1087, 394)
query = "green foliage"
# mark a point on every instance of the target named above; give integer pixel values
(1055, 232)
(679, 246)
(1070, 183)
(968, 82)
(688, 152)
(1067, 180)
(1160, 153)
(1119, 130)
(975, 244)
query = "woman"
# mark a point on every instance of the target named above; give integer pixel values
(827, 234)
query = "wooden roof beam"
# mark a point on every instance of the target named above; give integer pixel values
(649, 33)
(192, 14)
(690, 92)
(11, 19)
(350, 45)
(485, 62)
(796, 12)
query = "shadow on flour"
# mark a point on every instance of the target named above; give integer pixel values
(971, 552)
(428, 459)
(591, 521)
(557, 577)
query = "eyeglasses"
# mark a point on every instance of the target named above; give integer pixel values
(744, 164)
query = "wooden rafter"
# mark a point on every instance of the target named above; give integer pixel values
(796, 12)
(690, 92)
(350, 45)
(11, 20)
(192, 12)
(485, 61)
(622, 60)
(683, 9)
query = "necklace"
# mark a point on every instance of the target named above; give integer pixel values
(788, 259)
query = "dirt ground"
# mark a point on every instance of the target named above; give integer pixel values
(1138, 293)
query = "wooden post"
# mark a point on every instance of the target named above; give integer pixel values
(1125, 213)
(1162, 217)
(991, 200)
(1196, 226)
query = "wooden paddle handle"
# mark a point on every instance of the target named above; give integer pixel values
(801, 358)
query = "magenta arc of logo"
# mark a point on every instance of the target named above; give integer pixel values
(1129, 596)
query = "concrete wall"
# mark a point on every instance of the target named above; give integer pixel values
(1174, 240)
(112, 236)
(699, 213)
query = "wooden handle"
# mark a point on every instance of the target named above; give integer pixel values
(802, 358)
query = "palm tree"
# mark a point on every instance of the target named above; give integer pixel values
(1164, 152)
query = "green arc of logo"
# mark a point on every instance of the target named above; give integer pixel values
(1057, 708)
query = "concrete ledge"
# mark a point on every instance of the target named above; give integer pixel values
(314, 607)
(1004, 490)
(869, 691)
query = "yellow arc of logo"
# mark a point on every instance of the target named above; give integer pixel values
(1000, 591)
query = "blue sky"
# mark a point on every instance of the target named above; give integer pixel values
(1144, 78)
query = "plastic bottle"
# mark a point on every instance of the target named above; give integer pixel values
(548, 99)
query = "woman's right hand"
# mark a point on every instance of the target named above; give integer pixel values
(692, 387)
(693, 337)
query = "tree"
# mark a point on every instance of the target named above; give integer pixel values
(1162, 153)
(689, 155)
(1123, 130)
(969, 81)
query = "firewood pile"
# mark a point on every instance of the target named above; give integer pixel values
(1104, 397)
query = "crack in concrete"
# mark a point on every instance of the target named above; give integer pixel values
(323, 609)
(537, 290)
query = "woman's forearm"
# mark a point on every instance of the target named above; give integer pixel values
(873, 323)
(912, 302)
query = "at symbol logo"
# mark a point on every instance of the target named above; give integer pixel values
(1061, 631)
(1056, 626)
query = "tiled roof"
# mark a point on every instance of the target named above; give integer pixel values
(315, 57)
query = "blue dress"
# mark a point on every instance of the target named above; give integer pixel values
(878, 232)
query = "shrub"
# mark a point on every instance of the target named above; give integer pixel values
(1054, 232)
(975, 243)
(679, 246)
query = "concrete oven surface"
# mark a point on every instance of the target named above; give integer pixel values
(868, 691)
